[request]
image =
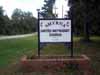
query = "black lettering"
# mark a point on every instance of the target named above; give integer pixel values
(47, 30)
(60, 23)
(54, 30)
(49, 23)
(53, 23)
(56, 22)
(55, 34)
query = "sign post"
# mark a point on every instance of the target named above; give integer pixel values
(55, 31)
(38, 11)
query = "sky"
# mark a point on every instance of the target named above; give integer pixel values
(31, 5)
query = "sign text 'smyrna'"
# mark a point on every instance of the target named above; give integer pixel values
(55, 30)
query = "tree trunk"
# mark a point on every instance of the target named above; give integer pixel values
(86, 37)
(86, 33)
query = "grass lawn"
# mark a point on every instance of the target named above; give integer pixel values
(13, 49)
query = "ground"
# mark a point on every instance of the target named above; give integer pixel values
(11, 51)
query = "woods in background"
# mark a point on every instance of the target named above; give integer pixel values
(20, 22)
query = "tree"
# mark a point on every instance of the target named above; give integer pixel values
(93, 16)
(16, 17)
(1, 20)
(23, 22)
(29, 22)
(76, 13)
(48, 9)
(7, 26)
(82, 12)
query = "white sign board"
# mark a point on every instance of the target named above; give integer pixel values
(55, 30)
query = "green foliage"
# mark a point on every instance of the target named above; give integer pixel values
(24, 22)
(85, 14)
(1, 20)
(48, 9)
(20, 23)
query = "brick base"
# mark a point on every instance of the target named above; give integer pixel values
(56, 63)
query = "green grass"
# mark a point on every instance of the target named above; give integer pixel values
(12, 50)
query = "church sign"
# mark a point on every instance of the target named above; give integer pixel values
(54, 30)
